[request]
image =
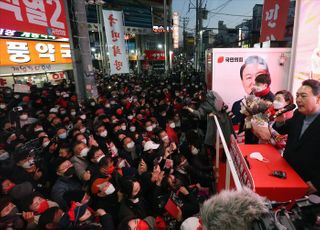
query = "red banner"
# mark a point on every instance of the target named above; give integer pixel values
(274, 19)
(155, 55)
(42, 17)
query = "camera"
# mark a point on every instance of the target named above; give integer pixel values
(303, 215)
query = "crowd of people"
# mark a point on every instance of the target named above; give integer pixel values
(117, 161)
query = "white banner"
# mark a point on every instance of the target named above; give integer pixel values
(115, 40)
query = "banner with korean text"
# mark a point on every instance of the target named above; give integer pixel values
(115, 41)
(42, 17)
(16, 52)
(274, 19)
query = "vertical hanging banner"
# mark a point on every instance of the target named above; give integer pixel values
(274, 19)
(175, 34)
(43, 17)
(115, 41)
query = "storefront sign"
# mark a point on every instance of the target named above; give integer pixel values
(27, 69)
(16, 34)
(115, 40)
(162, 29)
(20, 88)
(27, 52)
(155, 55)
(43, 17)
(58, 76)
(6, 81)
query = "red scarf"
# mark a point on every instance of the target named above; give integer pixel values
(263, 92)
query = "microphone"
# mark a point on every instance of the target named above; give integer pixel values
(283, 110)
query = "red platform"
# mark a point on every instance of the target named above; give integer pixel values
(276, 189)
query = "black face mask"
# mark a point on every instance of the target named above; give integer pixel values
(70, 172)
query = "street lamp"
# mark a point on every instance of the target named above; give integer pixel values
(159, 46)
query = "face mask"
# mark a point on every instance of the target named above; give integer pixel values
(82, 130)
(172, 125)
(63, 112)
(258, 156)
(149, 128)
(84, 141)
(258, 89)
(24, 117)
(2, 106)
(73, 113)
(84, 152)
(104, 133)
(123, 127)
(92, 104)
(58, 93)
(4, 156)
(130, 117)
(44, 205)
(130, 145)
(38, 129)
(277, 105)
(110, 189)
(83, 117)
(70, 172)
(154, 126)
(63, 135)
(28, 164)
(194, 150)
(99, 158)
(132, 128)
(16, 96)
(165, 138)
(107, 105)
(45, 144)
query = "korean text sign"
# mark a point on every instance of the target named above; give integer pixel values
(27, 52)
(43, 17)
(274, 19)
(115, 40)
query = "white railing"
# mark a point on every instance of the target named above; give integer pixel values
(230, 167)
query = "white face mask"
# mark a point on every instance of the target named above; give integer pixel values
(24, 117)
(62, 135)
(38, 129)
(83, 130)
(84, 152)
(4, 156)
(45, 144)
(132, 128)
(73, 113)
(123, 127)
(130, 145)
(107, 105)
(92, 103)
(99, 158)
(194, 150)
(278, 105)
(165, 138)
(104, 133)
(83, 116)
(28, 164)
(172, 125)
(3, 106)
(84, 141)
(110, 189)
(130, 117)
(258, 156)
(154, 126)
(149, 128)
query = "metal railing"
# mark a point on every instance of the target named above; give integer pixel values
(230, 167)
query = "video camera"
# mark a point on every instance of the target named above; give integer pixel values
(304, 215)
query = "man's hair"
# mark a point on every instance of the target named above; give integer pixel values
(287, 96)
(232, 209)
(314, 85)
(254, 60)
(264, 79)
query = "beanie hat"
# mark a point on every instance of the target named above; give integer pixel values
(21, 191)
(47, 217)
(126, 187)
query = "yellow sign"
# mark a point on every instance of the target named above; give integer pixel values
(26, 52)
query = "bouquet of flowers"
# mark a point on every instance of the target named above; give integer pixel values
(255, 108)
(257, 112)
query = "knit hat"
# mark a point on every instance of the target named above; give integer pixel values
(126, 187)
(21, 191)
(47, 217)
